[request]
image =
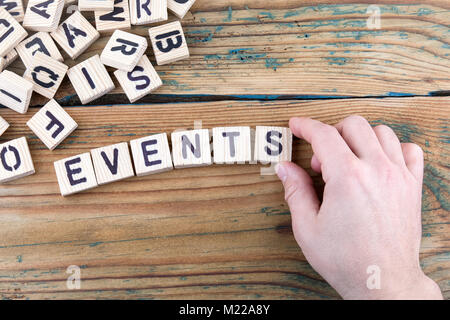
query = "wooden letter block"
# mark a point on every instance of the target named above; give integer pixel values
(191, 148)
(15, 91)
(151, 154)
(11, 32)
(43, 15)
(180, 7)
(14, 7)
(75, 174)
(2, 63)
(112, 163)
(146, 12)
(232, 145)
(10, 58)
(90, 79)
(52, 124)
(117, 19)
(273, 144)
(75, 35)
(123, 50)
(141, 81)
(46, 74)
(168, 42)
(39, 42)
(94, 5)
(4, 125)
(16, 160)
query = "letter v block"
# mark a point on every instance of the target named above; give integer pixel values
(39, 42)
(15, 91)
(191, 148)
(232, 145)
(148, 11)
(94, 5)
(180, 7)
(14, 7)
(43, 15)
(273, 144)
(112, 163)
(11, 32)
(168, 42)
(123, 50)
(75, 174)
(15, 160)
(75, 35)
(116, 19)
(52, 124)
(151, 154)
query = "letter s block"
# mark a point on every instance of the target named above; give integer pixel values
(168, 42)
(15, 160)
(273, 144)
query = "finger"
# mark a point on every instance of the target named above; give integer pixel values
(315, 164)
(413, 156)
(390, 144)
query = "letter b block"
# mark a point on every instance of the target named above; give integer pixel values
(15, 160)
(191, 148)
(273, 144)
(168, 42)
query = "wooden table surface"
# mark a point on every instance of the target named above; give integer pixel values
(224, 231)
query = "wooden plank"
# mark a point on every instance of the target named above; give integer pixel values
(221, 231)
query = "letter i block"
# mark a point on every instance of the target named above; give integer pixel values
(232, 145)
(39, 42)
(75, 35)
(168, 42)
(94, 5)
(148, 11)
(151, 154)
(75, 174)
(273, 144)
(118, 18)
(180, 7)
(52, 124)
(112, 163)
(139, 82)
(46, 74)
(15, 91)
(90, 79)
(14, 7)
(4, 125)
(15, 159)
(191, 148)
(11, 32)
(123, 50)
(43, 15)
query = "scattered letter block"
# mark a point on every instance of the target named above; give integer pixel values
(75, 35)
(39, 42)
(117, 19)
(43, 15)
(151, 154)
(139, 82)
(46, 74)
(146, 12)
(75, 174)
(95, 5)
(180, 7)
(273, 144)
(15, 91)
(4, 125)
(15, 159)
(112, 163)
(168, 42)
(14, 7)
(11, 32)
(52, 124)
(90, 79)
(2, 63)
(10, 58)
(232, 145)
(123, 50)
(191, 148)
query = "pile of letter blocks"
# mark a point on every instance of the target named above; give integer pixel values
(125, 52)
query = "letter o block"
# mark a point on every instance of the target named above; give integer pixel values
(15, 160)
(273, 144)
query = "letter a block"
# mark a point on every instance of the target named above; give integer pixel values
(151, 154)
(43, 15)
(191, 148)
(180, 7)
(139, 82)
(148, 11)
(90, 79)
(15, 159)
(15, 91)
(112, 163)
(11, 32)
(116, 19)
(232, 145)
(39, 42)
(14, 7)
(168, 42)
(52, 124)
(123, 50)
(94, 5)
(4, 125)
(75, 174)
(273, 144)
(75, 35)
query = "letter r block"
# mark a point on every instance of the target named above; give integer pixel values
(232, 145)
(151, 154)
(273, 144)
(168, 42)
(191, 148)
(15, 160)
(148, 11)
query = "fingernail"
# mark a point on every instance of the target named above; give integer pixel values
(281, 172)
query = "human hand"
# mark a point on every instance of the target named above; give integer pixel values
(371, 209)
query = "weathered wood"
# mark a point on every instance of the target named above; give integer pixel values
(211, 232)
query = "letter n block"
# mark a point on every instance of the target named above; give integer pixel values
(75, 174)
(4, 125)
(43, 15)
(273, 144)
(52, 124)
(14, 7)
(232, 145)
(112, 163)
(148, 11)
(15, 91)
(15, 160)
(191, 148)
(168, 42)
(11, 32)
(116, 19)
(39, 42)
(180, 7)
(151, 154)
(95, 5)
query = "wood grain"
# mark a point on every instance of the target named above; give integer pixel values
(214, 232)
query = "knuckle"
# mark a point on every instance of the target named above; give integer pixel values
(290, 190)
(384, 129)
(356, 120)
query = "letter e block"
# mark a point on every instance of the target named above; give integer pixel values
(148, 11)
(15, 159)
(180, 7)
(273, 144)
(11, 32)
(151, 154)
(43, 15)
(39, 42)
(232, 145)
(117, 19)
(4, 125)
(15, 91)
(112, 163)
(168, 42)
(191, 148)
(95, 5)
